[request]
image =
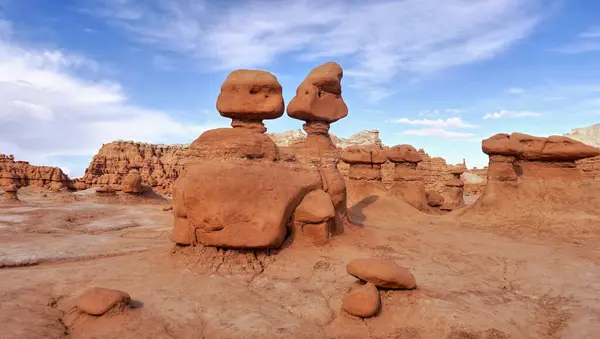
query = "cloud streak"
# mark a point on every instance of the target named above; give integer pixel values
(378, 41)
(438, 132)
(510, 114)
(588, 41)
(438, 123)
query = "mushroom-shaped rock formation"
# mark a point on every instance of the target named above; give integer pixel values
(534, 178)
(97, 301)
(454, 188)
(364, 173)
(362, 301)
(314, 217)
(133, 182)
(233, 191)
(8, 182)
(408, 182)
(382, 273)
(248, 97)
(319, 103)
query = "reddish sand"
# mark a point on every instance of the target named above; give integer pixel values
(473, 282)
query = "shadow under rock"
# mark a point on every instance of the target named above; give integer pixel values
(355, 213)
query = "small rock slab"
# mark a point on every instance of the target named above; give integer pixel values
(316, 207)
(362, 301)
(98, 300)
(382, 273)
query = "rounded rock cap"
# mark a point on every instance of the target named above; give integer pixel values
(403, 153)
(251, 95)
(457, 169)
(363, 155)
(319, 96)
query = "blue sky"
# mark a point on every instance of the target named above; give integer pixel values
(440, 75)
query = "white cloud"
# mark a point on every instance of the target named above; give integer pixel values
(440, 133)
(588, 41)
(515, 90)
(439, 123)
(508, 114)
(378, 41)
(49, 112)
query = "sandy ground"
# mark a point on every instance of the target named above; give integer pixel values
(472, 282)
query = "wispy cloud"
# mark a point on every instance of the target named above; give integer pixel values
(376, 40)
(510, 114)
(439, 123)
(438, 132)
(588, 41)
(515, 90)
(47, 110)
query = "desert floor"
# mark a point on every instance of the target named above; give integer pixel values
(473, 282)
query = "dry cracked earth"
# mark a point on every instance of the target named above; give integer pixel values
(473, 282)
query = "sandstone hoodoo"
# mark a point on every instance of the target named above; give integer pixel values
(534, 177)
(408, 182)
(133, 182)
(234, 192)
(319, 103)
(364, 173)
(454, 189)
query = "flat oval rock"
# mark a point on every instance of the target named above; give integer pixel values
(382, 273)
(98, 300)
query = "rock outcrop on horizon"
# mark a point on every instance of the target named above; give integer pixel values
(30, 175)
(158, 165)
(590, 136)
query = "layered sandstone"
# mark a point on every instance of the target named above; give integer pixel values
(364, 174)
(31, 175)
(8, 183)
(408, 182)
(532, 176)
(158, 165)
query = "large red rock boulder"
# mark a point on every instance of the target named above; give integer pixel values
(239, 205)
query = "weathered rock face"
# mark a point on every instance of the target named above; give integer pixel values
(408, 182)
(236, 192)
(30, 175)
(8, 183)
(159, 165)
